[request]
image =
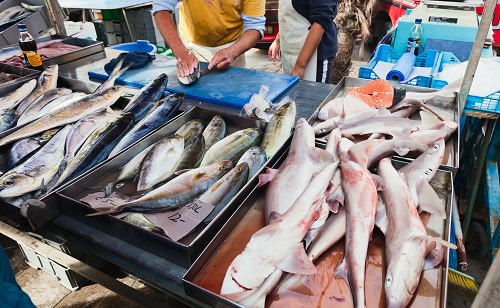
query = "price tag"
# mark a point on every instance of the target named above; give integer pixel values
(180, 222)
(100, 202)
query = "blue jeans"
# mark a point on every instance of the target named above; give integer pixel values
(11, 294)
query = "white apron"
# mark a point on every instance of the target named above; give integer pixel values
(293, 33)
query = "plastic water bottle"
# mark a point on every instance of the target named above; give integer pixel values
(29, 48)
(414, 39)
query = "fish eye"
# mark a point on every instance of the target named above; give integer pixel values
(388, 280)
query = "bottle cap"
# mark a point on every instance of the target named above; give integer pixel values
(418, 21)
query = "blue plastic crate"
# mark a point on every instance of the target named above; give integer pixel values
(490, 103)
(430, 58)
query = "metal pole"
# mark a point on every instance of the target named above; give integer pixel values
(475, 55)
(57, 16)
(489, 293)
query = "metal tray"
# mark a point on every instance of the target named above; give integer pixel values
(25, 73)
(204, 278)
(87, 48)
(448, 109)
(187, 249)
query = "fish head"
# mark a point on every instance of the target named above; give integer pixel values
(216, 122)
(403, 274)
(220, 168)
(303, 136)
(11, 184)
(286, 109)
(241, 170)
(255, 153)
(48, 134)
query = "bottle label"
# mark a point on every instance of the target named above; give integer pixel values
(33, 58)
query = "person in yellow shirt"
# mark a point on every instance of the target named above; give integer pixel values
(219, 30)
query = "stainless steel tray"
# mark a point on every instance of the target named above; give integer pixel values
(187, 249)
(204, 278)
(87, 48)
(447, 109)
(25, 73)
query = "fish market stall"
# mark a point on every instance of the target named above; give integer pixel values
(151, 175)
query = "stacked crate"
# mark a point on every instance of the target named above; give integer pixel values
(143, 27)
(115, 30)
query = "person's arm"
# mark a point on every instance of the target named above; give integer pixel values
(254, 23)
(310, 46)
(186, 61)
(274, 52)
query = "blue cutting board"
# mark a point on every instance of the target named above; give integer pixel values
(233, 87)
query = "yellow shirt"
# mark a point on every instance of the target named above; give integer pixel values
(214, 23)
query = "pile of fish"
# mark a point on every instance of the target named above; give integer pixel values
(17, 12)
(319, 196)
(199, 162)
(61, 134)
(357, 116)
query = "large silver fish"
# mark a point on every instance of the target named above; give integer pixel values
(37, 170)
(176, 192)
(34, 108)
(97, 146)
(191, 130)
(233, 146)
(407, 242)
(278, 245)
(304, 160)
(163, 112)
(47, 81)
(69, 114)
(192, 154)
(13, 99)
(160, 162)
(214, 132)
(255, 157)
(145, 100)
(82, 130)
(360, 194)
(60, 102)
(24, 147)
(225, 189)
(418, 174)
(279, 128)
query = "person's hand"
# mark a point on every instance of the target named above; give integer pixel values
(298, 71)
(186, 63)
(274, 52)
(222, 59)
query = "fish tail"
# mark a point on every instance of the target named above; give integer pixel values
(341, 272)
(111, 211)
(109, 189)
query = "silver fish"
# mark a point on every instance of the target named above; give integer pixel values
(69, 114)
(233, 146)
(37, 170)
(214, 132)
(47, 81)
(255, 157)
(24, 147)
(115, 74)
(32, 110)
(192, 154)
(279, 128)
(160, 162)
(225, 189)
(173, 194)
(59, 103)
(191, 130)
(141, 221)
(13, 99)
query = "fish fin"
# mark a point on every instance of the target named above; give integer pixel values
(115, 210)
(268, 175)
(350, 137)
(429, 201)
(379, 182)
(381, 220)
(402, 151)
(320, 156)
(239, 296)
(179, 172)
(297, 262)
(341, 272)
(437, 240)
(377, 136)
(62, 166)
(274, 216)
(43, 189)
(335, 199)
(434, 257)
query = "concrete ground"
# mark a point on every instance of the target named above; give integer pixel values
(45, 291)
